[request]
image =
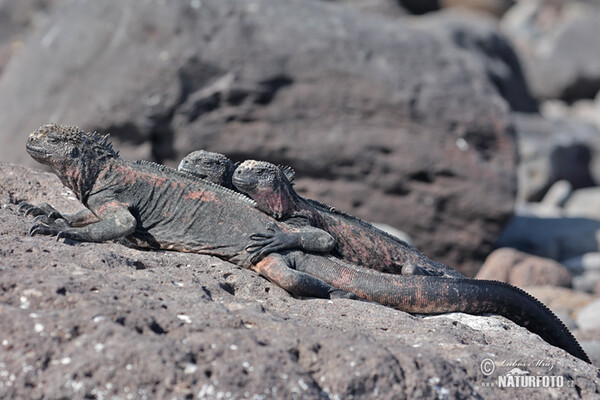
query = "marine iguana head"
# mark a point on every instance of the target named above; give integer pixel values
(74, 155)
(214, 167)
(269, 185)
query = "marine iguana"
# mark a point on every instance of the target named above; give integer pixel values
(214, 167)
(158, 207)
(357, 241)
(270, 186)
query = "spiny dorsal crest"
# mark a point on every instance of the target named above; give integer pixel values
(289, 173)
(182, 175)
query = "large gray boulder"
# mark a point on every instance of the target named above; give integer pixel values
(99, 320)
(389, 119)
(552, 150)
(557, 42)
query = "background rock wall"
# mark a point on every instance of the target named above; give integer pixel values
(398, 120)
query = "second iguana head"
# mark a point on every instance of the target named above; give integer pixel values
(214, 167)
(267, 184)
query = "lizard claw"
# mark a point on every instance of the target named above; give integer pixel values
(23, 207)
(55, 215)
(54, 227)
(42, 219)
(63, 235)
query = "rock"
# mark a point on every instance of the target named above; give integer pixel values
(561, 300)
(584, 203)
(15, 20)
(566, 319)
(554, 150)
(556, 238)
(586, 269)
(558, 47)
(551, 205)
(494, 7)
(587, 318)
(388, 8)
(587, 282)
(385, 119)
(592, 349)
(479, 36)
(558, 194)
(521, 269)
(585, 110)
(589, 262)
(84, 320)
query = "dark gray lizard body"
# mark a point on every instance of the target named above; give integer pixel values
(357, 241)
(158, 207)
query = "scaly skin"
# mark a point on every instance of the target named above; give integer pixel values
(357, 241)
(153, 206)
(273, 191)
(157, 207)
(214, 167)
(414, 294)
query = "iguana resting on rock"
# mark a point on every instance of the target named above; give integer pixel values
(356, 241)
(214, 167)
(158, 207)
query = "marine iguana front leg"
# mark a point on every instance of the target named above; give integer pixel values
(44, 213)
(114, 221)
(307, 238)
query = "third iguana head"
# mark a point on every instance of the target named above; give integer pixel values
(267, 184)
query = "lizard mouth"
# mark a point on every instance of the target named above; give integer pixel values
(243, 183)
(36, 151)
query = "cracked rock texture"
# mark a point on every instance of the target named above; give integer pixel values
(100, 320)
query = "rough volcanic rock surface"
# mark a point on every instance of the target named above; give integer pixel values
(389, 119)
(97, 320)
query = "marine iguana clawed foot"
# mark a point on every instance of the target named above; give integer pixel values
(43, 209)
(58, 227)
(275, 241)
(47, 220)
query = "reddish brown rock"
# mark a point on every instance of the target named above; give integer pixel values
(522, 269)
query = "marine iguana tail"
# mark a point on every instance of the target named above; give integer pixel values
(436, 295)
(357, 241)
(157, 207)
